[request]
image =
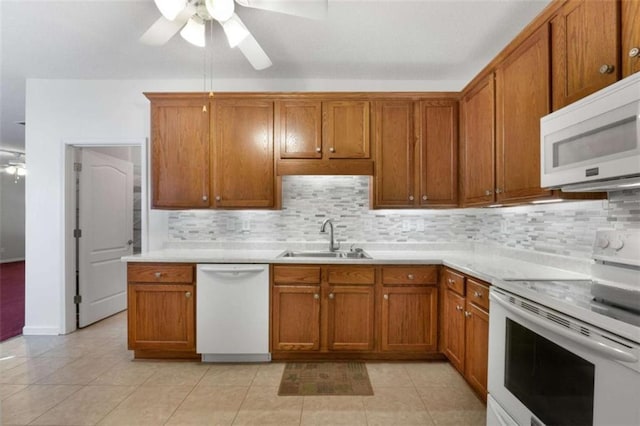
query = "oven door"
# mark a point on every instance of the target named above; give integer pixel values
(548, 368)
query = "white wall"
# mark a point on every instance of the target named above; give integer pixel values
(11, 218)
(60, 112)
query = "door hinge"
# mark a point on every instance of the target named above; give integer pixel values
(77, 299)
(77, 167)
(77, 233)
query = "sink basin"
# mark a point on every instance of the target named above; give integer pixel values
(359, 254)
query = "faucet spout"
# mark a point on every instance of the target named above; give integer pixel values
(332, 245)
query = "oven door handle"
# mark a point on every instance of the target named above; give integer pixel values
(600, 347)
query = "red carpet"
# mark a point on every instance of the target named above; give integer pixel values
(11, 299)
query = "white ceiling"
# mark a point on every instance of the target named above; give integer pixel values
(360, 39)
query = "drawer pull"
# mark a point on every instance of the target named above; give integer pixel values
(458, 308)
(410, 276)
(316, 296)
(318, 149)
(450, 281)
(467, 314)
(187, 294)
(331, 296)
(386, 297)
(477, 294)
(158, 274)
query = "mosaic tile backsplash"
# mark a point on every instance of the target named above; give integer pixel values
(564, 228)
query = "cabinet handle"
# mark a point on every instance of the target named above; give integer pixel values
(316, 296)
(425, 198)
(187, 294)
(386, 297)
(410, 197)
(158, 274)
(488, 192)
(498, 191)
(410, 276)
(458, 308)
(205, 198)
(467, 314)
(634, 52)
(331, 296)
(318, 149)
(477, 294)
(450, 281)
(332, 149)
(606, 69)
(218, 198)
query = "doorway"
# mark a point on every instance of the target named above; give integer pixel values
(105, 189)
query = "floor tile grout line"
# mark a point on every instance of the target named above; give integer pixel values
(54, 406)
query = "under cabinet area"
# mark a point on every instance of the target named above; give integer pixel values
(161, 310)
(465, 327)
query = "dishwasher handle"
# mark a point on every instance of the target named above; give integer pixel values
(234, 271)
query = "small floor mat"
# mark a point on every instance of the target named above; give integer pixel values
(325, 378)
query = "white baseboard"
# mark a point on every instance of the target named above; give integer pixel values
(40, 331)
(17, 259)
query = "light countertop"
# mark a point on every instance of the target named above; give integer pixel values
(485, 267)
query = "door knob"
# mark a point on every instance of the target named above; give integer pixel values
(187, 294)
(332, 149)
(158, 274)
(331, 296)
(316, 296)
(634, 52)
(318, 149)
(386, 297)
(606, 69)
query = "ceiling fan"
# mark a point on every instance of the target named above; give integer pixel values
(189, 17)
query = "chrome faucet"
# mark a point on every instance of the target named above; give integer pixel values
(323, 229)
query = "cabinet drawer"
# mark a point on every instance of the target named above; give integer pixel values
(454, 281)
(296, 274)
(159, 273)
(478, 293)
(412, 275)
(351, 275)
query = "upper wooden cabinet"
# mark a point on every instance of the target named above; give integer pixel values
(630, 30)
(416, 146)
(211, 153)
(477, 147)
(585, 49)
(179, 152)
(345, 129)
(522, 98)
(332, 133)
(242, 154)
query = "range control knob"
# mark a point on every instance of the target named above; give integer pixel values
(602, 242)
(617, 244)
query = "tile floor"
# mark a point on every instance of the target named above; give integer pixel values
(88, 377)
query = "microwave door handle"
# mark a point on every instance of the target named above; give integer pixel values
(600, 347)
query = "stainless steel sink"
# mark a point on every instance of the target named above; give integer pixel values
(356, 254)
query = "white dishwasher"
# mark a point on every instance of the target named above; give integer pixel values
(232, 313)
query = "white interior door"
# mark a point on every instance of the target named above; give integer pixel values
(106, 223)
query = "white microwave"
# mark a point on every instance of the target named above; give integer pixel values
(594, 143)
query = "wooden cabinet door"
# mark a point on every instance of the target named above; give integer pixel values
(409, 319)
(179, 153)
(522, 98)
(350, 318)
(395, 144)
(243, 153)
(454, 329)
(438, 154)
(477, 154)
(630, 32)
(345, 129)
(295, 324)
(161, 317)
(585, 43)
(300, 128)
(477, 348)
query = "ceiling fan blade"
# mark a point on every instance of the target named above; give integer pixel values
(312, 9)
(163, 29)
(254, 53)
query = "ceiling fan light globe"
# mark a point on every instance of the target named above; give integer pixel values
(194, 32)
(220, 10)
(235, 31)
(170, 8)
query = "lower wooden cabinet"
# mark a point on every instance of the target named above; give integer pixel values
(465, 328)
(409, 319)
(354, 311)
(161, 311)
